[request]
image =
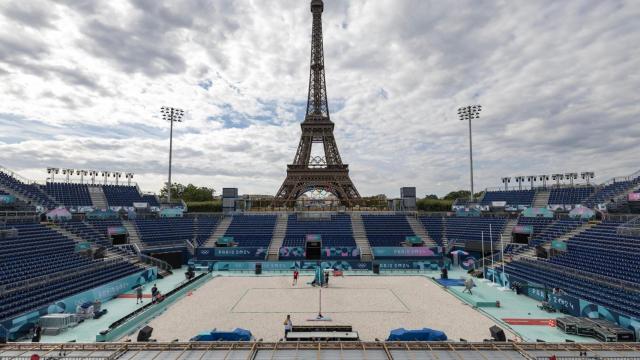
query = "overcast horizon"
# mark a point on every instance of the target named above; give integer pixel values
(83, 82)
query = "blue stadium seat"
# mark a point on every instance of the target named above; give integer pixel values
(335, 232)
(252, 230)
(387, 230)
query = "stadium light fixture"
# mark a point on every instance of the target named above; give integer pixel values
(105, 174)
(557, 178)
(171, 115)
(519, 180)
(117, 175)
(129, 176)
(531, 179)
(587, 175)
(93, 174)
(82, 173)
(506, 181)
(544, 179)
(571, 177)
(468, 113)
(53, 171)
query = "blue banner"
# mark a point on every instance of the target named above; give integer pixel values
(434, 264)
(406, 252)
(103, 293)
(287, 265)
(231, 253)
(329, 252)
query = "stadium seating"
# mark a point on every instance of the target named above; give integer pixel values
(434, 226)
(570, 195)
(513, 198)
(555, 230)
(122, 195)
(38, 251)
(386, 230)
(68, 194)
(623, 301)
(87, 232)
(538, 224)
(463, 229)
(203, 228)
(607, 192)
(165, 230)
(151, 200)
(252, 230)
(335, 232)
(30, 191)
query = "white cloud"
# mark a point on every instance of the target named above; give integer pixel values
(82, 84)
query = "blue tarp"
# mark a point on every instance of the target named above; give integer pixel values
(424, 334)
(213, 335)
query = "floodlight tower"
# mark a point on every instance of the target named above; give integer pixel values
(587, 175)
(506, 181)
(117, 175)
(571, 177)
(82, 174)
(129, 176)
(531, 179)
(544, 179)
(105, 174)
(53, 171)
(172, 115)
(468, 113)
(93, 174)
(519, 180)
(557, 178)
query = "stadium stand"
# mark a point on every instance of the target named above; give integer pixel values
(434, 226)
(609, 191)
(203, 228)
(86, 232)
(37, 252)
(30, 191)
(513, 197)
(386, 230)
(540, 272)
(538, 224)
(335, 232)
(165, 230)
(68, 194)
(122, 195)
(570, 196)
(252, 230)
(463, 229)
(151, 200)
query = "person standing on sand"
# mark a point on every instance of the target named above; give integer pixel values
(295, 277)
(288, 326)
(139, 294)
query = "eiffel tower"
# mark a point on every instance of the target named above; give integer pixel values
(309, 172)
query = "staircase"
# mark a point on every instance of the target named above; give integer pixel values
(579, 230)
(360, 236)
(541, 198)
(97, 197)
(419, 230)
(279, 232)
(445, 240)
(508, 230)
(134, 238)
(221, 229)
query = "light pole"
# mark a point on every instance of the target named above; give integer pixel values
(506, 181)
(544, 179)
(172, 115)
(587, 175)
(531, 179)
(53, 172)
(129, 176)
(557, 178)
(468, 113)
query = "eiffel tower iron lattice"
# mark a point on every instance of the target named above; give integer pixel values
(312, 172)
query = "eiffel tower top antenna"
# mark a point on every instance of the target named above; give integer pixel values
(317, 105)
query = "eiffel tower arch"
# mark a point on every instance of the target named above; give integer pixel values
(309, 172)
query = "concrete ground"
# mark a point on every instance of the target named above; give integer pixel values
(373, 305)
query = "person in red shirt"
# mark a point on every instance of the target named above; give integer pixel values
(295, 277)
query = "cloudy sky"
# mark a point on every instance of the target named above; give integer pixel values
(82, 83)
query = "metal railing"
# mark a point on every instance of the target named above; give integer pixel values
(161, 264)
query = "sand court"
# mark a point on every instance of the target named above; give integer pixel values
(372, 305)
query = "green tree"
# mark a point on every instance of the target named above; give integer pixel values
(189, 193)
(431, 196)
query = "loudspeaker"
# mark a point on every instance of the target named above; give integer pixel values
(258, 268)
(145, 333)
(376, 268)
(497, 334)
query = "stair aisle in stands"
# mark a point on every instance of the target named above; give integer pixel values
(279, 232)
(134, 237)
(360, 236)
(420, 231)
(98, 199)
(508, 230)
(221, 229)
(541, 199)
